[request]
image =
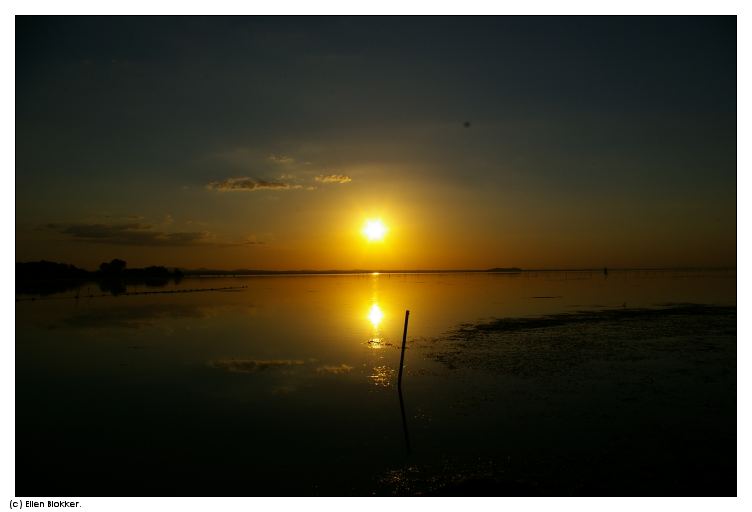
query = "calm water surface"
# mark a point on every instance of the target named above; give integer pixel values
(284, 386)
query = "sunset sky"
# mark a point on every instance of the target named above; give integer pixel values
(267, 143)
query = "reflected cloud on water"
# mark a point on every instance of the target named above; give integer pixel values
(254, 365)
(334, 370)
(129, 317)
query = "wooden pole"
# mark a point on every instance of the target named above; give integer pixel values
(402, 355)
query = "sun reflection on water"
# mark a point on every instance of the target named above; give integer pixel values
(382, 376)
(375, 315)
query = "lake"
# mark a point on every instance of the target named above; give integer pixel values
(286, 385)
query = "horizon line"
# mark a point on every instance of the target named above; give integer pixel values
(250, 271)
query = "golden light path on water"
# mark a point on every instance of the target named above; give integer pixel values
(382, 375)
(375, 316)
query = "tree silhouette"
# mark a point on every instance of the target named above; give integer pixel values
(114, 267)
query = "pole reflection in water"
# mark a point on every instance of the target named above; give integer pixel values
(404, 420)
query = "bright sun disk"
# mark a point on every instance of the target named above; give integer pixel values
(374, 230)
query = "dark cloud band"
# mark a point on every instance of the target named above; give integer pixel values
(138, 234)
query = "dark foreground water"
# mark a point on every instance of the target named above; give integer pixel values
(546, 383)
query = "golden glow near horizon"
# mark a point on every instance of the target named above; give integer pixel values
(374, 230)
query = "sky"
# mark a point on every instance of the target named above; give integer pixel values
(268, 142)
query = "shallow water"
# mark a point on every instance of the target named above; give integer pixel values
(287, 384)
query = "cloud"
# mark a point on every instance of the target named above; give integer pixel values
(138, 234)
(120, 217)
(253, 365)
(281, 159)
(249, 185)
(333, 178)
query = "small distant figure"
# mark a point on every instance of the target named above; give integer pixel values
(466, 124)
(605, 271)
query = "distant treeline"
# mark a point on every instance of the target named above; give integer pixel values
(46, 277)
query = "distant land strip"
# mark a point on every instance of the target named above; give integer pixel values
(508, 270)
(42, 278)
(253, 272)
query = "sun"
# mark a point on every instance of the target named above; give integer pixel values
(374, 230)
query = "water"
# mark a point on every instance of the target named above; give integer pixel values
(287, 384)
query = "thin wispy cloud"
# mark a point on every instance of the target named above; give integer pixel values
(245, 184)
(282, 170)
(125, 218)
(281, 159)
(333, 178)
